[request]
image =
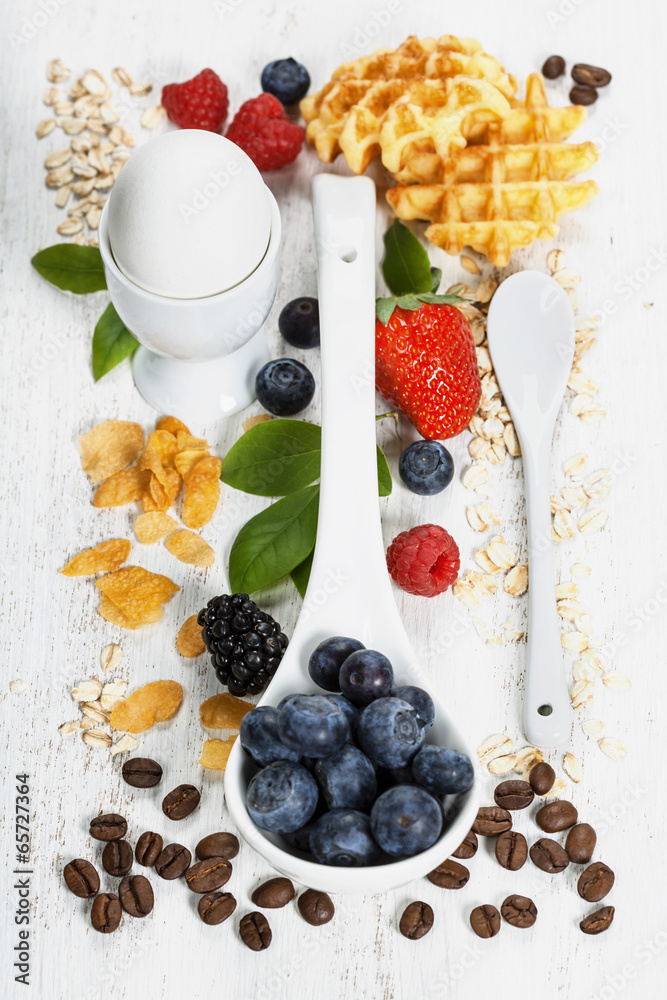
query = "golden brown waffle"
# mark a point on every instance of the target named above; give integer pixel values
(508, 187)
(416, 100)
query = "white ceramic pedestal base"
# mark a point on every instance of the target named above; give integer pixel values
(200, 391)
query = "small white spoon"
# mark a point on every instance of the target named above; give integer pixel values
(349, 591)
(531, 341)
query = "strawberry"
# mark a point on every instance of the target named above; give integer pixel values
(426, 366)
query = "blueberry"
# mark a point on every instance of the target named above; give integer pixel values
(299, 322)
(389, 732)
(286, 79)
(406, 820)
(347, 779)
(283, 701)
(343, 838)
(300, 839)
(282, 797)
(426, 467)
(420, 700)
(443, 772)
(259, 736)
(350, 711)
(327, 659)
(313, 725)
(365, 676)
(284, 387)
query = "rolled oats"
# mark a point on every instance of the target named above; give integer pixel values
(581, 694)
(97, 738)
(612, 748)
(564, 527)
(615, 680)
(45, 127)
(111, 656)
(575, 464)
(573, 767)
(556, 260)
(89, 690)
(122, 77)
(68, 728)
(469, 265)
(594, 728)
(503, 764)
(516, 581)
(574, 641)
(580, 569)
(153, 117)
(57, 71)
(125, 743)
(526, 758)
(558, 788)
(112, 693)
(494, 746)
(593, 520)
(93, 710)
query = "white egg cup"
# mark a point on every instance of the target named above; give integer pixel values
(199, 357)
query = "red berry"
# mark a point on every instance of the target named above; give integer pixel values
(424, 560)
(198, 103)
(263, 130)
(426, 365)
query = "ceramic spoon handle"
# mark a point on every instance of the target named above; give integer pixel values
(547, 712)
(349, 537)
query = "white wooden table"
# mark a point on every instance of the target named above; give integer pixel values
(52, 636)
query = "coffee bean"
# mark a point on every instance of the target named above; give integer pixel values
(553, 67)
(468, 848)
(218, 845)
(590, 76)
(142, 772)
(580, 94)
(449, 875)
(595, 882)
(117, 858)
(273, 894)
(173, 861)
(492, 820)
(549, 856)
(215, 907)
(181, 802)
(599, 921)
(541, 778)
(136, 895)
(148, 848)
(485, 920)
(511, 850)
(110, 826)
(519, 911)
(556, 816)
(580, 843)
(315, 907)
(513, 794)
(416, 921)
(205, 876)
(81, 878)
(255, 931)
(106, 913)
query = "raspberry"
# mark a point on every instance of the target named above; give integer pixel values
(424, 560)
(263, 130)
(198, 103)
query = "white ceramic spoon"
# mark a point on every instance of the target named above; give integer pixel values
(349, 591)
(531, 341)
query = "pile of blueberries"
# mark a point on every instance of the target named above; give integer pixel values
(347, 776)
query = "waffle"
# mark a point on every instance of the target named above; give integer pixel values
(506, 188)
(415, 101)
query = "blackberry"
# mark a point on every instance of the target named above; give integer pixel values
(246, 644)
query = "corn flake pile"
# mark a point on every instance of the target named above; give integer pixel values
(221, 711)
(125, 468)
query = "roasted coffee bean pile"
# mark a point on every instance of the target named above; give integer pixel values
(512, 852)
(587, 79)
(209, 873)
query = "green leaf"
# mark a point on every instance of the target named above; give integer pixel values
(274, 542)
(71, 267)
(436, 278)
(406, 266)
(301, 574)
(278, 457)
(410, 302)
(440, 300)
(274, 458)
(384, 309)
(112, 342)
(385, 484)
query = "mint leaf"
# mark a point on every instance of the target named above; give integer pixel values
(385, 484)
(71, 267)
(112, 342)
(274, 542)
(278, 457)
(301, 574)
(436, 278)
(274, 458)
(406, 266)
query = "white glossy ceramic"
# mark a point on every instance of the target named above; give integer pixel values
(531, 341)
(350, 592)
(199, 356)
